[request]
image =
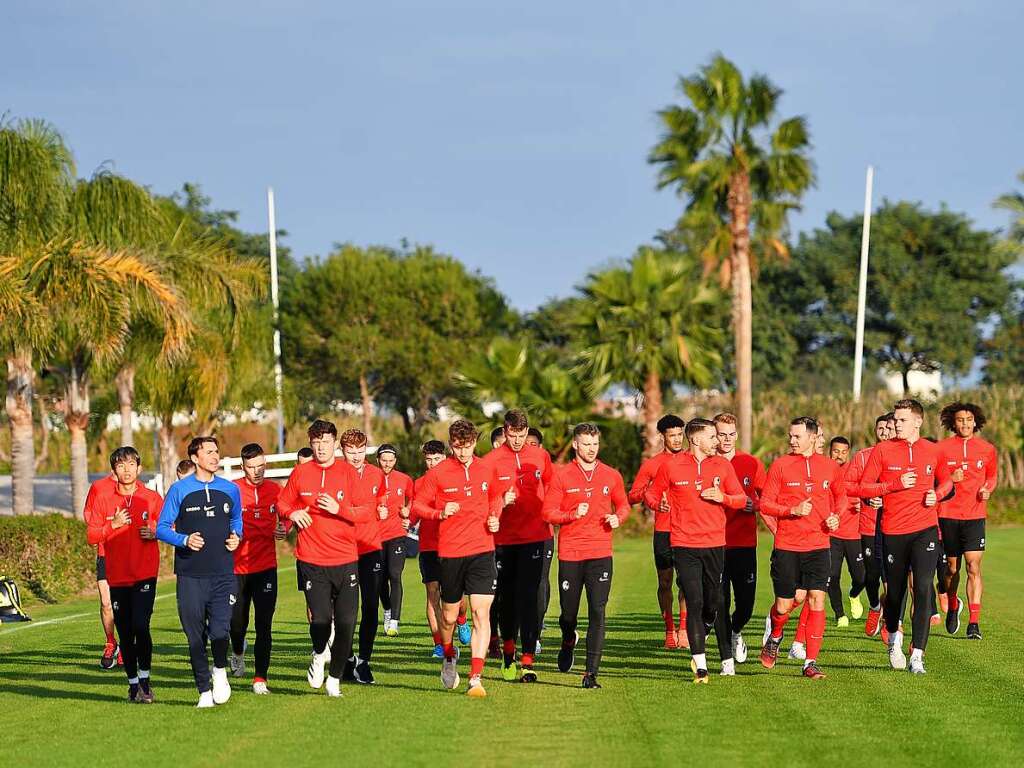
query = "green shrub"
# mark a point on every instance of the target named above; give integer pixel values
(47, 555)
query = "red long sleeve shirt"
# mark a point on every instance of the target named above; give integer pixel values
(103, 485)
(741, 525)
(849, 513)
(528, 472)
(905, 511)
(366, 493)
(475, 488)
(792, 480)
(694, 521)
(395, 492)
(331, 539)
(868, 518)
(588, 537)
(130, 558)
(428, 527)
(977, 458)
(644, 478)
(258, 549)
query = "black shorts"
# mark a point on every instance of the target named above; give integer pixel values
(959, 536)
(472, 575)
(430, 567)
(101, 568)
(663, 551)
(800, 570)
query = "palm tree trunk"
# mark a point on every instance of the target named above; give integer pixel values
(19, 412)
(125, 383)
(739, 224)
(168, 451)
(44, 440)
(652, 412)
(364, 395)
(76, 417)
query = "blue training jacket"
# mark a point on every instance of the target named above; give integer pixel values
(213, 509)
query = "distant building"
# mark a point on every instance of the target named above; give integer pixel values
(923, 384)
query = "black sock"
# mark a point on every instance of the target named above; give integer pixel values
(144, 684)
(133, 690)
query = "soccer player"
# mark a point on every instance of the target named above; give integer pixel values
(535, 438)
(256, 565)
(671, 428)
(902, 471)
(123, 519)
(740, 576)
(393, 510)
(845, 545)
(462, 492)
(202, 518)
(803, 490)
(700, 485)
(318, 499)
(969, 462)
(585, 543)
(371, 562)
(184, 469)
(304, 455)
(111, 655)
(497, 437)
(523, 472)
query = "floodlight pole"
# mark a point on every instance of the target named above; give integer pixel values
(862, 289)
(278, 375)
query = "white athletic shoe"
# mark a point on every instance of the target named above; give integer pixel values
(391, 628)
(797, 651)
(537, 651)
(237, 662)
(387, 618)
(450, 671)
(333, 686)
(728, 668)
(260, 688)
(330, 642)
(221, 686)
(767, 629)
(205, 700)
(897, 659)
(739, 648)
(917, 665)
(315, 674)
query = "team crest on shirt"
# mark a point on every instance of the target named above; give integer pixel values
(483, 486)
(374, 490)
(980, 464)
(340, 495)
(226, 507)
(717, 481)
(928, 469)
(824, 484)
(536, 474)
(746, 481)
(400, 491)
(605, 490)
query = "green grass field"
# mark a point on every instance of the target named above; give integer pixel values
(61, 709)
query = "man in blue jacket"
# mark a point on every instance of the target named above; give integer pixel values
(202, 518)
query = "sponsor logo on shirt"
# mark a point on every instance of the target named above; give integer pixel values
(450, 490)
(573, 490)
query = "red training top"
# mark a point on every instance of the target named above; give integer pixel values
(644, 478)
(588, 537)
(528, 472)
(130, 558)
(905, 510)
(103, 485)
(977, 458)
(741, 524)
(428, 528)
(395, 492)
(792, 480)
(258, 548)
(367, 492)
(868, 519)
(475, 489)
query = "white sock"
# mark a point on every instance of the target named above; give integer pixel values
(728, 664)
(917, 655)
(143, 674)
(133, 681)
(797, 644)
(808, 662)
(701, 660)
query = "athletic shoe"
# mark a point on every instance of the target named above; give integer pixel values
(884, 633)
(493, 650)
(333, 687)
(767, 629)
(856, 607)
(797, 651)
(897, 659)
(205, 700)
(361, 672)
(813, 671)
(682, 640)
(953, 618)
(110, 653)
(536, 651)
(728, 668)
(973, 631)
(670, 640)
(259, 687)
(221, 686)
(466, 634)
(392, 628)
(693, 665)
(133, 694)
(476, 688)
(739, 648)
(315, 673)
(843, 621)
(590, 680)
(348, 672)
(450, 672)
(438, 652)
(237, 662)
(701, 676)
(510, 671)
(935, 620)
(145, 692)
(567, 656)
(770, 653)
(917, 666)
(529, 675)
(873, 623)
(387, 618)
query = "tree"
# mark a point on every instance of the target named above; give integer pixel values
(1013, 202)
(741, 179)
(645, 325)
(36, 171)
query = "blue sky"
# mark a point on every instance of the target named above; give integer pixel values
(514, 135)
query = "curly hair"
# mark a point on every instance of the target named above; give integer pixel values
(948, 415)
(462, 432)
(353, 438)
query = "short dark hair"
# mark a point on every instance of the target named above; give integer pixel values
(432, 448)
(462, 431)
(948, 415)
(353, 438)
(387, 448)
(251, 451)
(586, 428)
(305, 452)
(890, 416)
(319, 428)
(697, 425)
(670, 421)
(883, 418)
(811, 425)
(124, 453)
(534, 432)
(516, 419)
(198, 442)
(496, 433)
(185, 467)
(910, 404)
(840, 440)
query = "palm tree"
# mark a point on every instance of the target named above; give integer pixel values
(647, 325)
(1013, 202)
(36, 171)
(741, 178)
